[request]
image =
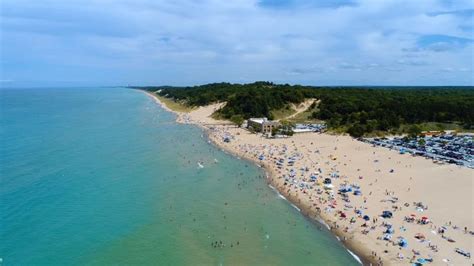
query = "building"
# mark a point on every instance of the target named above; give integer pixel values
(262, 125)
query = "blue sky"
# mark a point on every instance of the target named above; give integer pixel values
(185, 42)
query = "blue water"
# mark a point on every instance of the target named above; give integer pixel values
(105, 176)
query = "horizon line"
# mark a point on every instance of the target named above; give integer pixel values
(233, 83)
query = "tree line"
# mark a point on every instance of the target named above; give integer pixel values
(355, 110)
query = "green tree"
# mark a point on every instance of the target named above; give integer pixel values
(340, 107)
(356, 130)
(287, 127)
(414, 131)
(421, 142)
(237, 120)
(275, 131)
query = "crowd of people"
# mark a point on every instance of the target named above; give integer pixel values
(314, 182)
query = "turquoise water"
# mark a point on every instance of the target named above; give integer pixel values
(104, 176)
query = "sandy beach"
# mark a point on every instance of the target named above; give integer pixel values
(431, 205)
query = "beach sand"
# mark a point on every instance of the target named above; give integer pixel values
(387, 180)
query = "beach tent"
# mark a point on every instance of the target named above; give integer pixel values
(366, 217)
(403, 243)
(424, 220)
(387, 214)
(345, 189)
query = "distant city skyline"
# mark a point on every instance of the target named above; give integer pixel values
(185, 42)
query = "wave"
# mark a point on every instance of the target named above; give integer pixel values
(294, 206)
(355, 256)
(321, 221)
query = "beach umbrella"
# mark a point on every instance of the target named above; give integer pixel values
(366, 217)
(403, 242)
(328, 186)
(421, 261)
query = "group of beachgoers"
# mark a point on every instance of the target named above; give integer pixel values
(316, 180)
(220, 244)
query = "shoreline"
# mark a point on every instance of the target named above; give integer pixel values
(360, 255)
(343, 155)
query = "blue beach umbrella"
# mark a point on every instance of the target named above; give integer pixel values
(403, 243)
(421, 261)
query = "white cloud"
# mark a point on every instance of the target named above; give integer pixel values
(185, 41)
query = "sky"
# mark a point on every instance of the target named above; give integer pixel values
(190, 42)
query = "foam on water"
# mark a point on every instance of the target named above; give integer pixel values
(355, 256)
(324, 223)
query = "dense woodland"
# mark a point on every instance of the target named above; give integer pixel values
(355, 110)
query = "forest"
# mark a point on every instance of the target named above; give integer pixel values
(355, 110)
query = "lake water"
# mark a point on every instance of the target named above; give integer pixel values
(105, 176)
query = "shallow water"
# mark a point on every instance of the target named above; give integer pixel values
(105, 176)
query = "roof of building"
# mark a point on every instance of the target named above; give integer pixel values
(258, 120)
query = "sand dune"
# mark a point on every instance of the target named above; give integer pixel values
(302, 107)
